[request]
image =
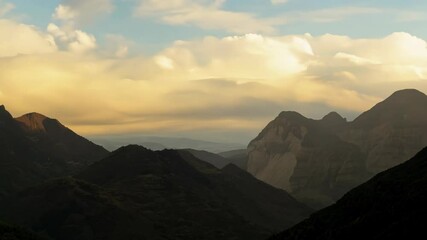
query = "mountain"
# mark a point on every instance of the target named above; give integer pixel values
(22, 164)
(392, 131)
(161, 143)
(389, 206)
(58, 141)
(237, 157)
(317, 161)
(136, 193)
(212, 158)
(188, 183)
(35, 148)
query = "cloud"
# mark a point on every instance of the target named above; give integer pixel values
(234, 84)
(249, 56)
(16, 38)
(71, 39)
(204, 14)
(64, 12)
(409, 16)
(82, 11)
(5, 7)
(117, 46)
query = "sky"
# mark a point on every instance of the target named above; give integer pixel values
(216, 70)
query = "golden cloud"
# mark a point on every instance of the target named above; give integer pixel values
(236, 82)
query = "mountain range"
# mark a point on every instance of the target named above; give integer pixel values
(70, 188)
(55, 184)
(318, 161)
(160, 143)
(136, 193)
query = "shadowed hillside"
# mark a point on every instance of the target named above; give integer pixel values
(389, 206)
(137, 193)
(34, 148)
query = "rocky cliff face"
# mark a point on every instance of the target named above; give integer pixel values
(319, 160)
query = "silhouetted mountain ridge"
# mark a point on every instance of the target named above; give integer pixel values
(60, 142)
(35, 148)
(389, 206)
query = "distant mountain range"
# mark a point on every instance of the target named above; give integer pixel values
(392, 205)
(236, 157)
(320, 160)
(161, 143)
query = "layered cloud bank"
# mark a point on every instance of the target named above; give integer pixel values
(236, 82)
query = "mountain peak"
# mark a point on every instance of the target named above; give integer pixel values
(333, 117)
(292, 115)
(33, 121)
(4, 114)
(405, 93)
(133, 148)
(405, 97)
(404, 106)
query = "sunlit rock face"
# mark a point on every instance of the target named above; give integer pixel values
(320, 160)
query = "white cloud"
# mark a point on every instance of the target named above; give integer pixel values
(71, 39)
(64, 12)
(82, 11)
(16, 38)
(355, 59)
(83, 42)
(5, 7)
(164, 62)
(249, 56)
(204, 14)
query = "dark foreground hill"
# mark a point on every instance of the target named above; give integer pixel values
(136, 193)
(392, 205)
(9, 232)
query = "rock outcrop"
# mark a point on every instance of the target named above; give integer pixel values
(319, 160)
